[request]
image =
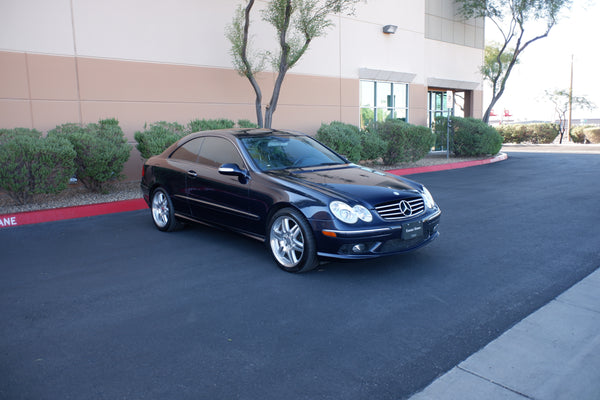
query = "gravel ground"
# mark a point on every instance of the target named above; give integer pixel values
(78, 195)
(75, 195)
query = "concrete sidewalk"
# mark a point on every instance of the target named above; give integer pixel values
(573, 148)
(552, 354)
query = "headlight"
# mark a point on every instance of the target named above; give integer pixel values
(428, 198)
(350, 215)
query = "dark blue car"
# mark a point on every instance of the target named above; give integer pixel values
(290, 191)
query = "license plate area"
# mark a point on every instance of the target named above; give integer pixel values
(412, 230)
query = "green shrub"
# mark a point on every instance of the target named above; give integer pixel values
(101, 152)
(30, 164)
(592, 135)
(469, 136)
(545, 133)
(343, 138)
(6, 134)
(244, 123)
(585, 134)
(373, 145)
(209, 124)
(541, 133)
(577, 134)
(440, 130)
(473, 137)
(155, 139)
(404, 142)
(65, 130)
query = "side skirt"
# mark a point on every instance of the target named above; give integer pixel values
(254, 236)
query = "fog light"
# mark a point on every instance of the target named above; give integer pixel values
(359, 248)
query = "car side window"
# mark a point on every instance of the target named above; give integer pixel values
(189, 150)
(218, 151)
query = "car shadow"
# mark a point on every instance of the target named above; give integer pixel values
(235, 250)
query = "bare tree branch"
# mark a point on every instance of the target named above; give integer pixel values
(512, 19)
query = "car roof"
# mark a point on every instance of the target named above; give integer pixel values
(230, 133)
(242, 132)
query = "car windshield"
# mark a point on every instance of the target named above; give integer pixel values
(284, 152)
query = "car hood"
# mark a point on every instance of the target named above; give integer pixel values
(354, 183)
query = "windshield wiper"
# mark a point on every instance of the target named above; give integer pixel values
(328, 163)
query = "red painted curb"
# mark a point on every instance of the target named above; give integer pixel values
(444, 167)
(91, 210)
(57, 214)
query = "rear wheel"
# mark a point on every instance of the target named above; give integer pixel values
(162, 211)
(292, 242)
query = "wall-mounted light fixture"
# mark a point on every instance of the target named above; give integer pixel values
(390, 29)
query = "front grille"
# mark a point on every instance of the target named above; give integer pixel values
(401, 209)
(397, 245)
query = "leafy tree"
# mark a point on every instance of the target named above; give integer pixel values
(561, 99)
(512, 18)
(297, 23)
(492, 69)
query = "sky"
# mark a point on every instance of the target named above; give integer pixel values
(546, 65)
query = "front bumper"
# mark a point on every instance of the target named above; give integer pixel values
(377, 241)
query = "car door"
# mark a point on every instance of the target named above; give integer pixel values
(175, 177)
(215, 197)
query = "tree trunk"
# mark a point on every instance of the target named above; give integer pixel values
(249, 73)
(283, 67)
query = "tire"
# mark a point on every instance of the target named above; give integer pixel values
(291, 241)
(163, 214)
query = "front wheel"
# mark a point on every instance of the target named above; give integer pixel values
(292, 242)
(162, 211)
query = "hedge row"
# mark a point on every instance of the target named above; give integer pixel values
(393, 141)
(542, 133)
(404, 142)
(31, 164)
(157, 137)
(545, 133)
(350, 141)
(468, 136)
(101, 151)
(95, 153)
(586, 134)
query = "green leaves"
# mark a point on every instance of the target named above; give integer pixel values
(101, 151)
(158, 137)
(495, 62)
(470, 137)
(393, 140)
(343, 138)
(245, 60)
(296, 23)
(540, 133)
(405, 142)
(512, 18)
(30, 164)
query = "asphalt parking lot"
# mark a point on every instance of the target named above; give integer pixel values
(108, 307)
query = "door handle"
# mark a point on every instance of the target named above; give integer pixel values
(192, 173)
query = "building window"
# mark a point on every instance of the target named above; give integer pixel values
(382, 100)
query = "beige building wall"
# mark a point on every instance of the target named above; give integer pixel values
(80, 60)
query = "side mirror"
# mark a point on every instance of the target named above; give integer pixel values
(234, 170)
